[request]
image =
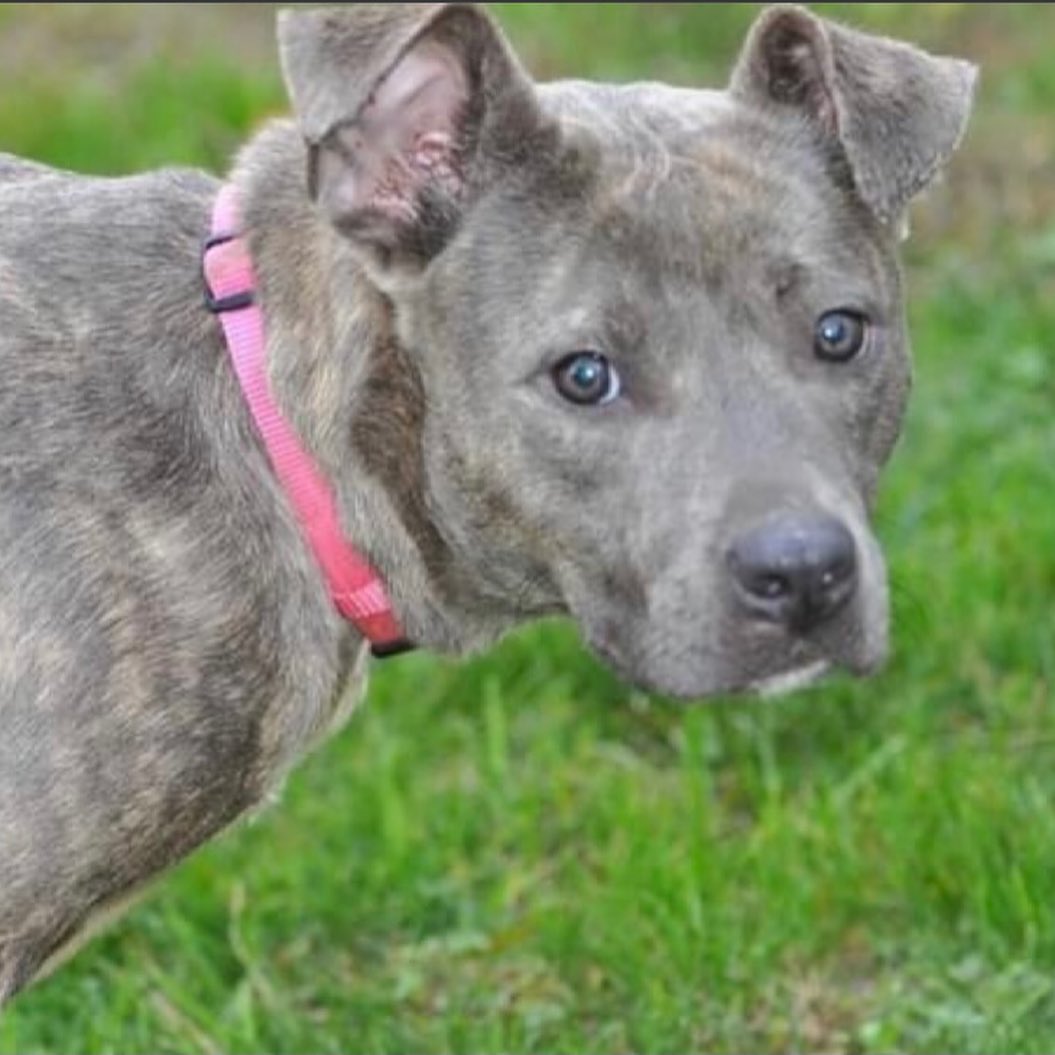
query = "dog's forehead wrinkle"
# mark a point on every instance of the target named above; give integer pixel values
(709, 202)
(698, 202)
(654, 129)
(664, 107)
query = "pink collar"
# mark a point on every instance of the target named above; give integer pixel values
(230, 284)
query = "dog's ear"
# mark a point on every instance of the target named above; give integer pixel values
(897, 112)
(407, 110)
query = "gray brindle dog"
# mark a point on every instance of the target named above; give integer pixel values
(634, 355)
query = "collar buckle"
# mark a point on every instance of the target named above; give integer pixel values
(219, 305)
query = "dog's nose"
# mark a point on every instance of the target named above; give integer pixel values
(795, 569)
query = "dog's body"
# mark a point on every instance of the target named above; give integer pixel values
(167, 645)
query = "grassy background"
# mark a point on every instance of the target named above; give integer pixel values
(519, 854)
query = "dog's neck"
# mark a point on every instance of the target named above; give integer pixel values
(353, 395)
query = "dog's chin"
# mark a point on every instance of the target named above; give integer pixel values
(791, 681)
(801, 667)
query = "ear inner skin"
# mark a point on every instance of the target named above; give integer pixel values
(334, 59)
(404, 138)
(395, 136)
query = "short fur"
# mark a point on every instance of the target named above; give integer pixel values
(431, 234)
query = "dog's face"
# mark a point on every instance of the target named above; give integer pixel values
(660, 332)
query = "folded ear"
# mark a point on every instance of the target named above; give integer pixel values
(897, 112)
(406, 110)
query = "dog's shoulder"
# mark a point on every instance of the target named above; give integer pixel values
(79, 252)
(51, 206)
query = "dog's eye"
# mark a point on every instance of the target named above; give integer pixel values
(840, 335)
(587, 379)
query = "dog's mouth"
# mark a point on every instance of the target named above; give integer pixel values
(792, 681)
(776, 669)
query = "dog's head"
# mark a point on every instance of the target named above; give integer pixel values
(660, 332)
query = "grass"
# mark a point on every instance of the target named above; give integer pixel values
(519, 854)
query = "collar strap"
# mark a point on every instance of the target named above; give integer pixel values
(230, 294)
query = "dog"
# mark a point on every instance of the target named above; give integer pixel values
(633, 355)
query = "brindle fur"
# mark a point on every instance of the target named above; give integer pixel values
(167, 647)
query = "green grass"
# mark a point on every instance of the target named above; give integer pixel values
(519, 854)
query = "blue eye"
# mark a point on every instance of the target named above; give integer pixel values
(587, 379)
(840, 336)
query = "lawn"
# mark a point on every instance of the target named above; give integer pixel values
(520, 854)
